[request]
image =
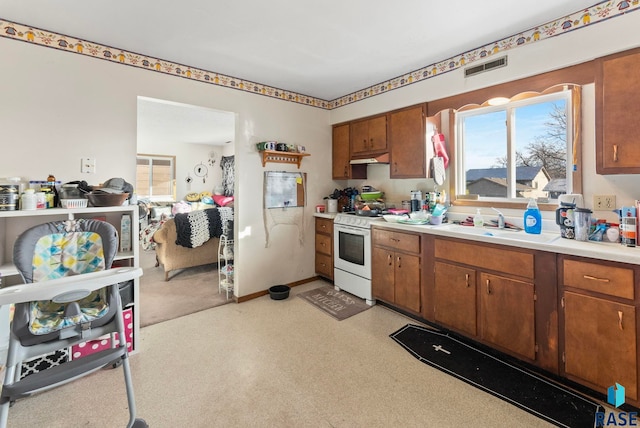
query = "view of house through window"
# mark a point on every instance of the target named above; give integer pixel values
(516, 150)
(155, 177)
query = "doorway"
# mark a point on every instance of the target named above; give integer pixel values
(199, 141)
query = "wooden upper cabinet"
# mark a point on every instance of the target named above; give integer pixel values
(369, 136)
(617, 109)
(407, 143)
(341, 155)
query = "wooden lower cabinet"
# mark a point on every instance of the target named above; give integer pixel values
(571, 316)
(507, 314)
(600, 323)
(396, 269)
(324, 247)
(476, 292)
(455, 297)
(600, 342)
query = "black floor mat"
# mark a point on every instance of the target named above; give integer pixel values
(521, 388)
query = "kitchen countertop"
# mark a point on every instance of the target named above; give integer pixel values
(325, 215)
(546, 241)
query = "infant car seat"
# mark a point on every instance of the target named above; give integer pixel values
(70, 295)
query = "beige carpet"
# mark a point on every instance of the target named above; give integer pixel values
(187, 291)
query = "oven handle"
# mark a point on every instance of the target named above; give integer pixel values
(354, 230)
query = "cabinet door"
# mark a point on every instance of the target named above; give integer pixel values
(507, 314)
(600, 342)
(369, 136)
(455, 297)
(407, 143)
(378, 134)
(617, 105)
(407, 281)
(359, 137)
(382, 282)
(340, 153)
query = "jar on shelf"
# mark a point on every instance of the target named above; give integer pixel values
(28, 200)
(41, 200)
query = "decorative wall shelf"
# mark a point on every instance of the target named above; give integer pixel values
(282, 157)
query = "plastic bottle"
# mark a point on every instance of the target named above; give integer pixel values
(532, 218)
(478, 220)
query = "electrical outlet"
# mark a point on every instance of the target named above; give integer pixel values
(604, 202)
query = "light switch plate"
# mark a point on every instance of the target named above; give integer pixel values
(88, 166)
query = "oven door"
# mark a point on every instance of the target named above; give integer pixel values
(352, 249)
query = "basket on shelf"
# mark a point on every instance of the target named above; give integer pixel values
(74, 203)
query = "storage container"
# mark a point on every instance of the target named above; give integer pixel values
(9, 195)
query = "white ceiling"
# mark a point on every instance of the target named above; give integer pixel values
(325, 49)
(163, 122)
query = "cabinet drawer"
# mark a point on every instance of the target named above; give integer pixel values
(497, 259)
(397, 240)
(324, 265)
(323, 244)
(324, 225)
(611, 280)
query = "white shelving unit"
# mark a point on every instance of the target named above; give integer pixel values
(225, 265)
(13, 223)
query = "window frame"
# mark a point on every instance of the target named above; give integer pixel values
(574, 135)
(147, 194)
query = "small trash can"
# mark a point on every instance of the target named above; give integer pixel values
(279, 292)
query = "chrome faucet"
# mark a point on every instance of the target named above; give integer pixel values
(500, 219)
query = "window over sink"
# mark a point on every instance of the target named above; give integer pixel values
(528, 146)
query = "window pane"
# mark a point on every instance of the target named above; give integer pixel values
(485, 154)
(541, 149)
(155, 177)
(161, 173)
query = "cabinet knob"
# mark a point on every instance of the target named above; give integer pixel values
(466, 278)
(399, 260)
(615, 153)
(488, 287)
(389, 261)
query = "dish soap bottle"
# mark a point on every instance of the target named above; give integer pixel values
(532, 218)
(478, 220)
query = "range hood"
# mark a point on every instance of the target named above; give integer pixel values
(383, 158)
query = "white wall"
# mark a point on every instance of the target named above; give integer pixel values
(607, 37)
(58, 107)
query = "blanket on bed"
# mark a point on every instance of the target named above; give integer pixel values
(197, 227)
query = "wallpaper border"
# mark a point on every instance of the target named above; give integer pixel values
(597, 13)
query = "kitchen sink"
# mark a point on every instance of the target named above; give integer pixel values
(510, 234)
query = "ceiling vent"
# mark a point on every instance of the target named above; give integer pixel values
(496, 63)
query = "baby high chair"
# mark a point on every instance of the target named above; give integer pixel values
(70, 295)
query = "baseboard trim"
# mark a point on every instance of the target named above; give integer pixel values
(265, 292)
